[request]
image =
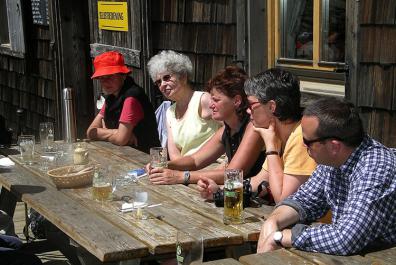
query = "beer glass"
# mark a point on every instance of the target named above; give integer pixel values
(233, 196)
(47, 136)
(26, 148)
(159, 157)
(189, 247)
(102, 184)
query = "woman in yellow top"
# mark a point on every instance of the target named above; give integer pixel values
(274, 108)
(189, 119)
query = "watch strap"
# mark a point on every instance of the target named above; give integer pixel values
(186, 178)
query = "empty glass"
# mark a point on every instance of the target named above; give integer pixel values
(26, 148)
(47, 136)
(159, 157)
(189, 247)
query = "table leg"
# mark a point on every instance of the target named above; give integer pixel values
(7, 201)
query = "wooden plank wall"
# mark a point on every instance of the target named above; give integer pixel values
(28, 83)
(203, 30)
(376, 84)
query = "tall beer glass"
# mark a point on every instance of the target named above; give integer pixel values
(159, 157)
(233, 196)
(47, 136)
(26, 148)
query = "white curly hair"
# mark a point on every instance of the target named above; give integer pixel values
(170, 62)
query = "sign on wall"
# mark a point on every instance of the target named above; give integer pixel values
(113, 16)
(40, 12)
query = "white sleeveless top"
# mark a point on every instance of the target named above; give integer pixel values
(191, 131)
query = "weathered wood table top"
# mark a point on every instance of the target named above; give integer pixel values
(110, 235)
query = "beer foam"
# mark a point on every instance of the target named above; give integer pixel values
(101, 185)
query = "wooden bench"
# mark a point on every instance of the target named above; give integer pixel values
(293, 256)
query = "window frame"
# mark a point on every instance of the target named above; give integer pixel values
(274, 41)
(16, 45)
(315, 74)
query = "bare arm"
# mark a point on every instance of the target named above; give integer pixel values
(173, 151)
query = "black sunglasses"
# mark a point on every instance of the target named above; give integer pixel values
(165, 78)
(308, 143)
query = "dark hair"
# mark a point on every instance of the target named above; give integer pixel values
(337, 118)
(280, 86)
(230, 81)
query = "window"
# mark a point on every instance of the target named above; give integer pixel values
(308, 36)
(11, 28)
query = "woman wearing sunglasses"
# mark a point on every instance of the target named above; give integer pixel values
(274, 108)
(189, 118)
(243, 147)
(127, 116)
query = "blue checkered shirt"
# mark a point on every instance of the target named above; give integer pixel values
(361, 195)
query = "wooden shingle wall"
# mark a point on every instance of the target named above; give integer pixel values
(28, 82)
(203, 30)
(377, 63)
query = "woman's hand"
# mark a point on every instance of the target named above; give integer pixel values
(271, 140)
(162, 176)
(207, 187)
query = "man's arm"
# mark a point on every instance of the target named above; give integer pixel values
(283, 216)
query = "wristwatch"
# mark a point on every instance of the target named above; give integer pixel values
(278, 238)
(186, 178)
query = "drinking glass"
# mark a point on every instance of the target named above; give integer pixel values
(159, 157)
(233, 196)
(103, 184)
(26, 148)
(47, 136)
(189, 247)
(140, 201)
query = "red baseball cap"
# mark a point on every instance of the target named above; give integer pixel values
(109, 63)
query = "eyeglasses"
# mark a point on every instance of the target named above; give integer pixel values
(165, 78)
(308, 143)
(252, 104)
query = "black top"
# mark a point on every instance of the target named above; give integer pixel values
(146, 130)
(231, 144)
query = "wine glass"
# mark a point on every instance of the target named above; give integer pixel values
(189, 247)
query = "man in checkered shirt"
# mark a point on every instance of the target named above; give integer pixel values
(355, 179)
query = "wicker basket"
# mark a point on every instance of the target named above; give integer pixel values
(71, 176)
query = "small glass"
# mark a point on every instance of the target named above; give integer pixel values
(140, 201)
(81, 154)
(47, 136)
(233, 196)
(159, 157)
(189, 247)
(26, 148)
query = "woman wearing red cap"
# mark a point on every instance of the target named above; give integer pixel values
(127, 117)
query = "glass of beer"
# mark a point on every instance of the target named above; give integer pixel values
(233, 196)
(159, 157)
(47, 136)
(102, 184)
(26, 148)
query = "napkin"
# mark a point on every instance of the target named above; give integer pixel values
(6, 163)
(127, 205)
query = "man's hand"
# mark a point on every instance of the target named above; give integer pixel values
(160, 176)
(266, 244)
(207, 187)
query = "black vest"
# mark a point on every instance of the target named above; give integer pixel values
(146, 130)
(232, 142)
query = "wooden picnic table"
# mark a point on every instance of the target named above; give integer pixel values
(109, 235)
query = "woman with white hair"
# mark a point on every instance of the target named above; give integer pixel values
(189, 119)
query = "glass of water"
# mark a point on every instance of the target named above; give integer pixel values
(26, 148)
(47, 136)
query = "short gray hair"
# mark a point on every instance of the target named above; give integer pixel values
(170, 61)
